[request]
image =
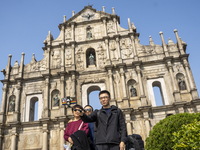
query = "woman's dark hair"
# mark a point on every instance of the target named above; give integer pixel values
(77, 106)
(104, 91)
(89, 106)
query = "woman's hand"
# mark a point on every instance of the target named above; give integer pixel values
(70, 140)
(122, 146)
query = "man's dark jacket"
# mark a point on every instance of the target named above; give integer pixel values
(109, 128)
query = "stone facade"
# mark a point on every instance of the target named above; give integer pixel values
(91, 53)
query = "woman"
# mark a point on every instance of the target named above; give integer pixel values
(76, 130)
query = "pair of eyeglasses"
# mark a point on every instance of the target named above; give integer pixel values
(89, 110)
(105, 97)
(78, 110)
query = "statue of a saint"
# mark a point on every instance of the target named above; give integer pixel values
(133, 91)
(91, 59)
(56, 100)
(181, 84)
(12, 105)
(89, 34)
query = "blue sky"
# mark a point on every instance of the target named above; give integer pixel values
(24, 24)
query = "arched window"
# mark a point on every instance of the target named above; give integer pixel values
(33, 113)
(181, 82)
(90, 57)
(55, 98)
(132, 88)
(157, 89)
(11, 105)
(93, 96)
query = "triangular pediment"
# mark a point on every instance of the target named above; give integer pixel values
(88, 14)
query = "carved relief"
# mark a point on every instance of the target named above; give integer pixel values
(79, 59)
(68, 33)
(117, 82)
(68, 57)
(126, 49)
(178, 68)
(56, 60)
(110, 27)
(150, 50)
(113, 50)
(87, 16)
(89, 34)
(101, 56)
(7, 143)
(31, 141)
(43, 63)
(55, 139)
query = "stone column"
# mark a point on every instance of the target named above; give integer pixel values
(143, 99)
(1, 137)
(46, 98)
(62, 95)
(191, 79)
(164, 45)
(48, 59)
(138, 70)
(13, 139)
(177, 96)
(123, 82)
(17, 103)
(107, 49)
(73, 90)
(110, 78)
(147, 126)
(115, 24)
(63, 58)
(62, 87)
(21, 66)
(45, 137)
(8, 67)
(118, 48)
(73, 30)
(146, 120)
(4, 97)
(73, 55)
(180, 46)
(62, 140)
(133, 47)
(186, 66)
(105, 27)
(128, 122)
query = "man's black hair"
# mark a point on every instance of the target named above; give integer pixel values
(77, 106)
(104, 91)
(89, 106)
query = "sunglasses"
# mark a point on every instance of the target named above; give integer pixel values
(78, 110)
(89, 110)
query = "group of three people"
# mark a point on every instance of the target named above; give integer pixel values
(106, 127)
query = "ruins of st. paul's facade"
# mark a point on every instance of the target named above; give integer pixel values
(93, 53)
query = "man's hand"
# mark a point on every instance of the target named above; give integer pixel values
(70, 140)
(122, 146)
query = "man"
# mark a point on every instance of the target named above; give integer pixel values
(110, 125)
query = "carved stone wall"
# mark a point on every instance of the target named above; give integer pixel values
(120, 64)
